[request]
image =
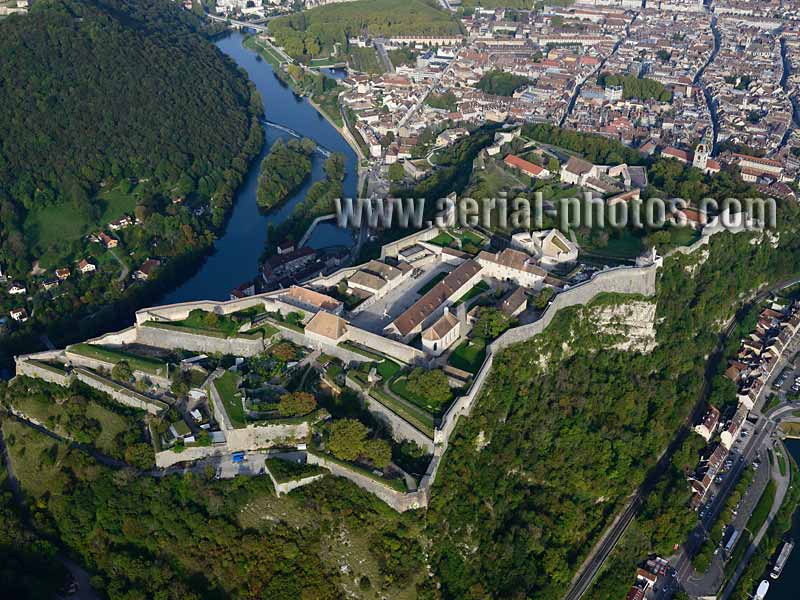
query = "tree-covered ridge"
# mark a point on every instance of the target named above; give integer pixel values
(283, 170)
(550, 454)
(316, 32)
(501, 83)
(96, 92)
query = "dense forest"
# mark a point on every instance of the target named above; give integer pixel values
(283, 170)
(500, 83)
(317, 32)
(135, 114)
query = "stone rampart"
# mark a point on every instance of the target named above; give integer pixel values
(169, 339)
(119, 393)
(400, 428)
(392, 348)
(34, 368)
(79, 360)
(400, 501)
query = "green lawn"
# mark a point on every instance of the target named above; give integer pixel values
(226, 387)
(781, 464)
(442, 239)
(476, 290)
(469, 355)
(137, 362)
(51, 227)
(400, 387)
(111, 423)
(761, 511)
(264, 50)
(622, 245)
(388, 369)
(37, 475)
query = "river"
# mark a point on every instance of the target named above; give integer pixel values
(237, 252)
(787, 586)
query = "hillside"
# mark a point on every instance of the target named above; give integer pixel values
(315, 32)
(86, 108)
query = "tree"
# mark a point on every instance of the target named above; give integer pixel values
(491, 323)
(396, 172)
(543, 297)
(347, 439)
(431, 385)
(379, 453)
(296, 403)
(122, 371)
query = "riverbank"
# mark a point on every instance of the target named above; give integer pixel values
(255, 43)
(288, 115)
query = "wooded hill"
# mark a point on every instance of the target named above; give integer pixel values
(95, 92)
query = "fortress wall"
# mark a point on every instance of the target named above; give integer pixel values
(288, 486)
(400, 501)
(196, 342)
(116, 338)
(32, 368)
(392, 348)
(119, 393)
(400, 428)
(78, 360)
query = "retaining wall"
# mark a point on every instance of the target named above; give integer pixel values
(197, 342)
(119, 393)
(288, 486)
(400, 428)
(400, 501)
(33, 368)
(392, 348)
(80, 360)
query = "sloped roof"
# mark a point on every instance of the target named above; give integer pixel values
(327, 325)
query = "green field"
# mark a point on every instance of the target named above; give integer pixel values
(400, 387)
(51, 227)
(267, 53)
(476, 290)
(469, 355)
(25, 448)
(111, 423)
(226, 387)
(137, 362)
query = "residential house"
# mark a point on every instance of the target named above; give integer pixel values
(19, 314)
(84, 266)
